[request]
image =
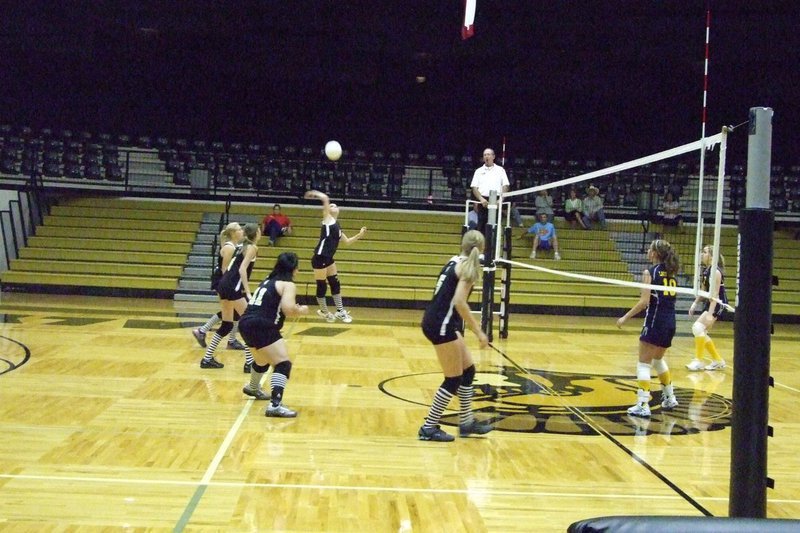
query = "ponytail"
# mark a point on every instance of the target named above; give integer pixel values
(250, 233)
(471, 245)
(720, 259)
(227, 233)
(666, 254)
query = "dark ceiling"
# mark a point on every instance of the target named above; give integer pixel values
(614, 79)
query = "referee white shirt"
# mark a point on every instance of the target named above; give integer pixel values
(489, 177)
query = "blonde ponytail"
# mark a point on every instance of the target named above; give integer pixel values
(471, 246)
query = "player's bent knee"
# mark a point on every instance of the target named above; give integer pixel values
(468, 376)
(225, 328)
(333, 281)
(284, 367)
(698, 329)
(451, 384)
(322, 288)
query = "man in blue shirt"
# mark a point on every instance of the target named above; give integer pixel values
(544, 237)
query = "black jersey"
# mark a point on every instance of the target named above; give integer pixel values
(723, 297)
(266, 304)
(661, 308)
(329, 235)
(230, 286)
(441, 313)
(236, 247)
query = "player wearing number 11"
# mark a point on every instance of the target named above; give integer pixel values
(658, 329)
(260, 327)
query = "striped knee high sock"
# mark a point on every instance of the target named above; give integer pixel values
(232, 336)
(256, 373)
(440, 402)
(465, 416)
(212, 347)
(213, 321)
(248, 356)
(278, 383)
(323, 304)
(337, 300)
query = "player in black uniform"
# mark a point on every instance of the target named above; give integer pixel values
(234, 291)
(710, 312)
(261, 328)
(230, 238)
(322, 262)
(442, 323)
(659, 326)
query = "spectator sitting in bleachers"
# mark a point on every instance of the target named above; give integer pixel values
(593, 208)
(276, 225)
(544, 204)
(573, 210)
(544, 237)
(671, 211)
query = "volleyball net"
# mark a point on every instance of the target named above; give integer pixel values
(667, 195)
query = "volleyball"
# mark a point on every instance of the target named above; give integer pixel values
(333, 150)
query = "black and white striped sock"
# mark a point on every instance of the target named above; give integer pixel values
(213, 321)
(212, 347)
(440, 401)
(465, 416)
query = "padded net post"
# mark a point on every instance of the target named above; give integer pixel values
(487, 300)
(752, 330)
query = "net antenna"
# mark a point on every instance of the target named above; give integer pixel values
(698, 268)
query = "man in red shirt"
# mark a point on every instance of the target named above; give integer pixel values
(276, 224)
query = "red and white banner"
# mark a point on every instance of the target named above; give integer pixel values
(468, 28)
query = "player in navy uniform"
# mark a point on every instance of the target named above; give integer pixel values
(322, 262)
(230, 238)
(261, 325)
(659, 326)
(442, 323)
(234, 291)
(711, 311)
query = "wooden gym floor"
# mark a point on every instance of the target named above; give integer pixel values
(108, 423)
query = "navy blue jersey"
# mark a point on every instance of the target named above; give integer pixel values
(329, 235)
(723, 297)
(266, 304)
(660, 316)
(441, 315)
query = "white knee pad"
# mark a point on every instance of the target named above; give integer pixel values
(659, 366)
(642, 371)
(698, 329)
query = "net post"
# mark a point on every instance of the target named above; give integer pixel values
(752, 326)
(487, 299)
(505, 284)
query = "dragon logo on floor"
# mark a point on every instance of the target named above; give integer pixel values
(13, 354)
(537, 401)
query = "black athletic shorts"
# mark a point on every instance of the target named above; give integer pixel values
(433, 334)
(258, 332)
(321, 261)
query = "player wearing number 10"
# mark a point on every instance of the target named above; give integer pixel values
(659, 326)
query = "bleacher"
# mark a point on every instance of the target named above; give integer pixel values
(197, 168)
(412, 203)
(144, 247)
